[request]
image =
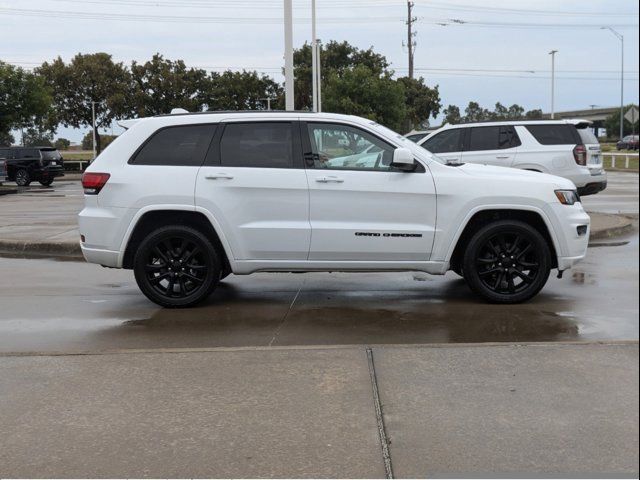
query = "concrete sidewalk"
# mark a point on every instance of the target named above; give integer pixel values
(42, 222)
(541, 410)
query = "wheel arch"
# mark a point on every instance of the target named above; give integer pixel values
(151, 220)
(480, 218)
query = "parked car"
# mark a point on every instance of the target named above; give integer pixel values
(27, 164)
(3, 171)
(630, 142)
(565, 148)
(185, 200)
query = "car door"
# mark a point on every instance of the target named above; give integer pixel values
(491, 145)
(361, 209)
(447, 144)
(254, 184)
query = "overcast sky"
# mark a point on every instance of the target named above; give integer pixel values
(489, 59)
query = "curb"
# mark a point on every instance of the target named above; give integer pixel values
(27, 249)
(72, 251)
(623, 225)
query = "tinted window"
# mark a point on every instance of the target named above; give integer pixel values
(555, 134)
(492, 138)
(445, 142)
(342, 147)
(180, 146)
(27, 153)
(416, 137)
(262, 145)
(50, 154)
(4, 153)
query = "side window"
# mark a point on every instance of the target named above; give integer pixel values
(555, 134)
(28, 153)
(4, 153)
(183, 146)
(260, 145)
(446, 142)
(342, 147)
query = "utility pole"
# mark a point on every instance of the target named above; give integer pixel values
(621, 38)
(553, 83)
(288, 56)
(411, 43)
(93, 126)
(314, 59)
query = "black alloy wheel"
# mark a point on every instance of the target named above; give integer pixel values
(507, 262)
(176, 266)
(23, 179)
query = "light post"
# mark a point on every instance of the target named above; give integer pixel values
(621, 38)
(315, 63)
(288, 55)
(93, 126)
(553, 83)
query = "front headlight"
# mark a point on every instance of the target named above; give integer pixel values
(567, 197)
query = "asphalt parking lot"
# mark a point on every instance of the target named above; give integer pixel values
(297, 374)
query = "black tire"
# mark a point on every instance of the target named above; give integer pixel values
(176, 266)
(46, 183)
(458, 271)
(485, 262)
(23, 179)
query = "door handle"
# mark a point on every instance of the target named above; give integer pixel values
(503, 157)
(329, 180)
(218, 176)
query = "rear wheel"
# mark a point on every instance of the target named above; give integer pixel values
(23, 179)
(507, 262)
(47, 182)
(176, 266)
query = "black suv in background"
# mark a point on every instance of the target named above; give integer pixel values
(27, 164)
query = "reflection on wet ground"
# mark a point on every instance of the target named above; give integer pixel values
(67, 306)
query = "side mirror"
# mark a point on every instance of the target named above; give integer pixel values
(403, 160)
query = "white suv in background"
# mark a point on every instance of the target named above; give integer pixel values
(185, 200)
(566, 148)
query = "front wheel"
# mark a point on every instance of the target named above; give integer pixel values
(507, 261)
(176, 266)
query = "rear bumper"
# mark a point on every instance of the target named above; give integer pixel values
(592, 188)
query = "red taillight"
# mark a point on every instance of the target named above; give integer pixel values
(580, 154)
(93, 182)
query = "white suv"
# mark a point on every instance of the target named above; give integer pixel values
(184, 200)
(566, 148)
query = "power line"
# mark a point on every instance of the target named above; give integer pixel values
(278, 20)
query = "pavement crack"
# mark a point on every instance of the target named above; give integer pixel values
(286, 315)
(382, 432)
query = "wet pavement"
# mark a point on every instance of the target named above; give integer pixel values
(621, 195)
(50, 305)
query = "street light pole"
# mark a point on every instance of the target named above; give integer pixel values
(553, 83)
(93, 126)
(621, 38)
(314, 59)
(288, 55)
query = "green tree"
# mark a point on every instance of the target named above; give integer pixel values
(359, 91)
(336, 58)
(6, 139)
(25, 101)
(452, 115)
(62, 143)
(104, 140)
(37, 137)
(159, 85)
(88, 78)
(240, 91)
(475, 113)
(534, 114)
(421, 102)
(612, 124)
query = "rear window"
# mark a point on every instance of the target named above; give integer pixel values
(555, 134)
(587, 136)
(259, 145)
(50, 154)
(184, 146)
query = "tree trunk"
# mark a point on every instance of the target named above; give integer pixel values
(97, 142)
